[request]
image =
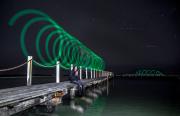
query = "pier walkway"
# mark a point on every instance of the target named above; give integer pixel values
(14, 100)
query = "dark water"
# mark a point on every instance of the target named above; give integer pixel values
(143, 98)
(126, 97)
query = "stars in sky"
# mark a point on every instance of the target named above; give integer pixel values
(92, 19)
(168, 13)
(151, 46)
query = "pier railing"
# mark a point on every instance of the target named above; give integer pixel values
(93, 72)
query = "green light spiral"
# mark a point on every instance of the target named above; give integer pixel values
(65, 48)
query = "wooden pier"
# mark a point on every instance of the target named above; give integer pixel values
(14, 100)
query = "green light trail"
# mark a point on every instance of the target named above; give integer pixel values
(65, 48)
(149, 72)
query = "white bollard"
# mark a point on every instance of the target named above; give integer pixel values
(86, 73)
(29, 70)
(71, 67)
(57, 72)
(97, 73)
(94, 74)
(80, 72)
(91, 74)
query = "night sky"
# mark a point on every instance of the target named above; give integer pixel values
(127, 34)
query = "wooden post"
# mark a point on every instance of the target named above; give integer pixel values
(86, 73)
(29, 70)
(80, 75)
(57, 72)
(91, 74)
(94, 74)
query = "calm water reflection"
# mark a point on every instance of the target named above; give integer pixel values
(126, 98)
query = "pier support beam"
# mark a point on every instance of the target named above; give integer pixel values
(57, 72)
(107, 85)
(29, 70)
(72, 92)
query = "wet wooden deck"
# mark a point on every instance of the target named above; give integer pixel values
(13, 100)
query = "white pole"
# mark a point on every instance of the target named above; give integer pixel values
(80, 72)
(86, 73)
(91, 74)
(97, 73)
(29, 70)
(94, 73)
(71, 67)
(57, 72)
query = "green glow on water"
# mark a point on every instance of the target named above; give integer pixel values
(97, 107)
(65, 48)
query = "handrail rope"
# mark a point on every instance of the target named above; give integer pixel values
(15, 67)
(51, 66)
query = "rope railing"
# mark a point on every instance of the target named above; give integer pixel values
(94, 73)
(45, 66)
(15, 67)
(23, 64)
(29, 64)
